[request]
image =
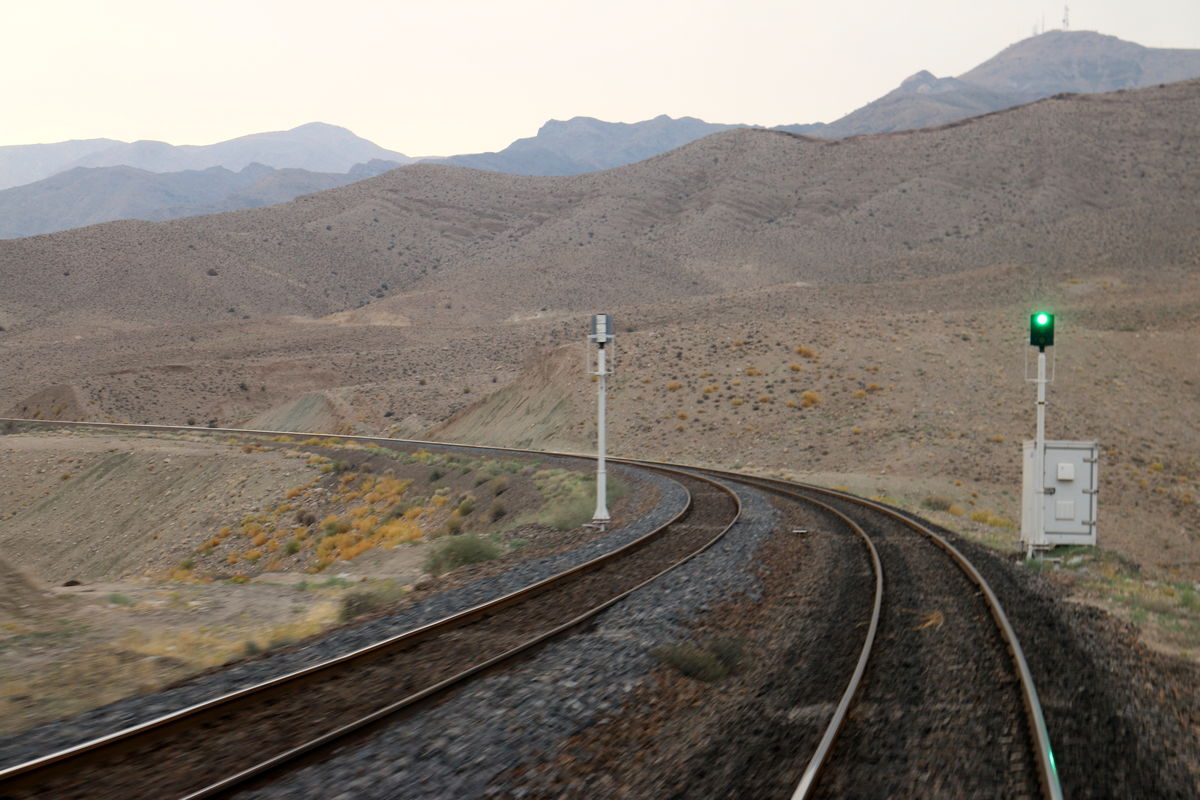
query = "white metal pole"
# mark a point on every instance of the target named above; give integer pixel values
(1039, 460)
(601, 515)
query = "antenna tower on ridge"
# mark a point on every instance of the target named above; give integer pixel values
(1066, 18)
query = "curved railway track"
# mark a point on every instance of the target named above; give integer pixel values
(914, 716)
(214, 747)
(891, 714)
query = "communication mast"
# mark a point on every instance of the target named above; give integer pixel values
(1066, 18)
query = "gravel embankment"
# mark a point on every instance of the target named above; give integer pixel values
(134, 710)
(458, 749)
(1123, 720)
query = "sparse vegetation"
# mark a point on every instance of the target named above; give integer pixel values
(459, 551)
(708, 662)
(937, 503)
(357, 602)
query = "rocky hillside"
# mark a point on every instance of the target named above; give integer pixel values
(1055, 186)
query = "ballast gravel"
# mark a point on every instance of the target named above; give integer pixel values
(459, 747)
(68, 732)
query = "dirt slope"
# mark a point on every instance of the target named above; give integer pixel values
(1056, 185)
(160, 500)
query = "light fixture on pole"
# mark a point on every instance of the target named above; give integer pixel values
(1041, 336)
(602, 335)
(1060, 479)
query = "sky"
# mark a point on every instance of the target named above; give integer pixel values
(441, 77)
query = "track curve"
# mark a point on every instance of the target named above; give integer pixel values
(1036, 764)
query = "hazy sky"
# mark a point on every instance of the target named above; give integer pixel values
(438, 77)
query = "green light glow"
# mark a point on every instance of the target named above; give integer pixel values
(1042, 318)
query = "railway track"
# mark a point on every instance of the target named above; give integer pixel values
(933, 680)
(940, 701)
(213, 747)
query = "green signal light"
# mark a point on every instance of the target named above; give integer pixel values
(1041, 329)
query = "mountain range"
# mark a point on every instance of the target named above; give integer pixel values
(317, 147)
(741, 209)
(92, 181)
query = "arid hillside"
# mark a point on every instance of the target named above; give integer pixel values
(851, 311)
(1054, 186)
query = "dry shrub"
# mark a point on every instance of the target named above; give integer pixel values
(993, 520)
(709, 662)
(364, 601)
(365, 524)
(673, 386)
(809, 398)
(459, 551)
(805, 352)
(936, 503)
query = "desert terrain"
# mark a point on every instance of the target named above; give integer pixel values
(852, 313)
(217, 548)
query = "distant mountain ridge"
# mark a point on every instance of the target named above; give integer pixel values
(1041, 66)
(317, 147)
(1056, 62)
(89, 195)
(586, 144)
(1113, 189)
(318, 156)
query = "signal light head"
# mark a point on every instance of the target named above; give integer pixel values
(1041, 330)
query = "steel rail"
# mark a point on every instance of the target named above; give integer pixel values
(1035, 718)
(27, 772)
(838, 719)
(232, 782)
(1044, 760)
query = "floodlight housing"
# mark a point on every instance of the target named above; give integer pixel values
(602, 329)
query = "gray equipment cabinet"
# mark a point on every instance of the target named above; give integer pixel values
(1068, 494)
